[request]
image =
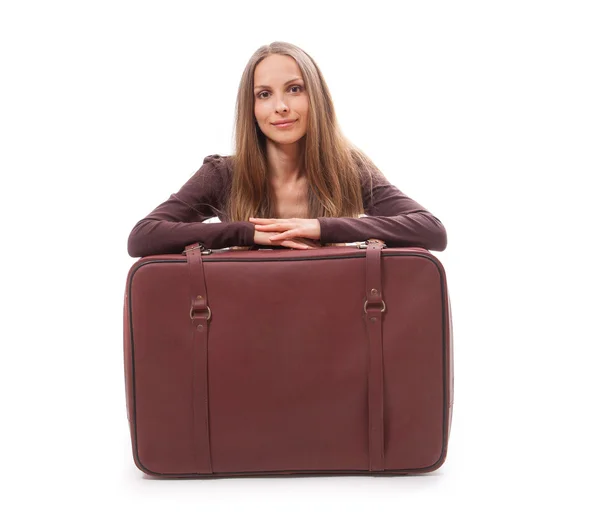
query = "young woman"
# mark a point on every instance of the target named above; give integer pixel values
(295, 181)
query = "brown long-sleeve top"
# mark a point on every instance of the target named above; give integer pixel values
(390, 216)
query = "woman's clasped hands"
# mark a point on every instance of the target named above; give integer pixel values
(297, 233)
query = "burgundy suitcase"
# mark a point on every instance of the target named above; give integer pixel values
(328, 361)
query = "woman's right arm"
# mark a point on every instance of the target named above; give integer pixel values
(178, 221)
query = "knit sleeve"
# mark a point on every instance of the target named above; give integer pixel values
(391, 216)
(178, 221)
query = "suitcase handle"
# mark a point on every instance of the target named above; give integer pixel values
(205, 251)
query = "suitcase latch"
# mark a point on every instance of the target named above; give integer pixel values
(371, 241)
(203, 250)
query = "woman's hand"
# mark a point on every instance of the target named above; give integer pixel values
(289, 228)
(266, 239)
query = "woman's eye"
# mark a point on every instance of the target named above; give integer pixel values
(260, 94)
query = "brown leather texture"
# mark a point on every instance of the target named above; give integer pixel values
(327, 361)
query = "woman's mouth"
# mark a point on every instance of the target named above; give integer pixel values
(284, 125)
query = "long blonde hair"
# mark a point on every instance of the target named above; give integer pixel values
(332, 163)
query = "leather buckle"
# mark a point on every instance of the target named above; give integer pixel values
(382, 309)
(195, 317)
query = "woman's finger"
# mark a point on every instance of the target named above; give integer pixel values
(262, 220)
(268, 227)
(280, 236)
(295, 245)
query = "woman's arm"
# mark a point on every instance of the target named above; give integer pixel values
(178, 221)
(392, 217)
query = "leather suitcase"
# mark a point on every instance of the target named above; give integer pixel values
(328, 361)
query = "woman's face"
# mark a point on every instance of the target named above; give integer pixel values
(279, 94)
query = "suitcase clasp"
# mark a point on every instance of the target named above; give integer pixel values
(371, 241)
(203, 250)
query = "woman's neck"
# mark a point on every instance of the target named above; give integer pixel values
(285, 163)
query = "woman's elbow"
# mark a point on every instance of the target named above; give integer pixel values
(134, 247)
(137, 243)
(434, 234)
(439, 236)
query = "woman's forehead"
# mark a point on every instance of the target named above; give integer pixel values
(276, 70)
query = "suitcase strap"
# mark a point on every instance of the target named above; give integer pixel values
(200, 315)
(374, 308)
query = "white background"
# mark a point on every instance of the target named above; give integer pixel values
(485, 112)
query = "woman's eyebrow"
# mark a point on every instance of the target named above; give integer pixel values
(289, 81)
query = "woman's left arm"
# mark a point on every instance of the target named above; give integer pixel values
(392, 217)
